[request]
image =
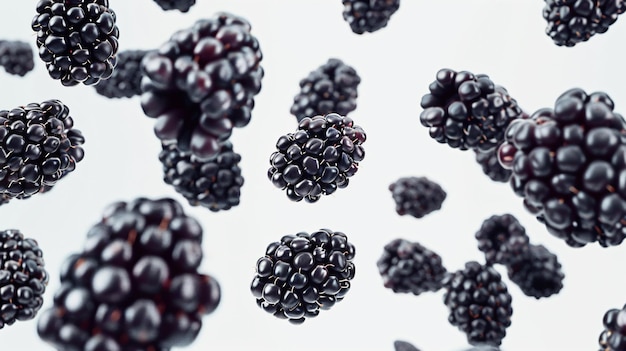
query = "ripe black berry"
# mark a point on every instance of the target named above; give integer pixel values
(400, 345)
(488, 161)
(16, 57)
(613, 337)
(125, 82)
(368, 16)
(502, 239)
(537, 272)
(180, 5)
(417, 196)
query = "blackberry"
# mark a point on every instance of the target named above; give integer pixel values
(201, 83)
(408, 267)
(331, 88)
(467, 111)
(23, 277)
(38, 147)
(479, 303)
(368, 15)
(417, 196)
(304, 273)
(16, 57)
(77, 39)
(502, 239)
(537, 273)
(212, 184)
(569, 165)
(180, 5)
(488, 161)
(318, 158)
(125, 82)
(135, 285)
(400, 345)
(613, 337)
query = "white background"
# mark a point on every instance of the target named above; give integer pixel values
(502, 38)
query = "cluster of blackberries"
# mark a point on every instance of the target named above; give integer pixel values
(368, 15)
(125, 82)
(417, 196)
(180, 5)
(16, 57)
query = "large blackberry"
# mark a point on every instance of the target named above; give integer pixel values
(180, 5)
(409, 267)
(38, 147)
(135, 285)
(331, 88)
(200, 84)
(502, 239)
(303, 273)
(417, 196)
(537, 272)
(16, 57)
(125, 82)
(212, 184)
(368, 15)
(613, 337)
(76, 39)
(569, 165)
(488, 161)
(318, 158)
(479, 303)
(467, 111)
(400, 345)
(23, 277)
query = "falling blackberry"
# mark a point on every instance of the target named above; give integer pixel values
(180, 5)
(538, 272)
(400, 345)
(502, 239)
(409, 267)
(488, 161)
(39, 147)
(331, 88)
(125, 82)
(77, 39)
(135, 285)
(318, 158)
(304, 273)
(201, 83)
(467, 111)
(613, 337)
(16, 57)
(368, 15)
(479, 303)
(212, 184)
(568, 164)
(417, 196)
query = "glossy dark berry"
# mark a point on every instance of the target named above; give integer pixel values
(488, 161)
(77, 39)
(304, 273)
(180, 5)
(502, 239)
(613, 337)
(318, 158)
(125, 82)
(16, 57)
(400, 345)
(368, 15)
(417, 196)
(537, 272)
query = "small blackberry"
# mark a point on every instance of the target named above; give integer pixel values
(537, 272)
(467, 111)
(408, 267)
(23, 277)
(304, 273)
(368, 15)
(613, 337)
(400, 345)
(180, 5)
(77, 39)
(488, 161)
(417, 196)
(212, 184)
(16, 57)
(331, 88)
(502, 239)
(318, 158)
(568, 164)
(125, 82)
(479, 303)
(135, 285)
(201, 83)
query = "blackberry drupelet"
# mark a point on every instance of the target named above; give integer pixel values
(304, 273)
(538, 272)
(569, 165)
(125, 82)
(369, 15)
(417, 196)
(400, 345)
(16, 57)
(214, 184)
(23, 277)
(502, 239)
(77, 39)
(613, 337)
(467, 111)
(135, 285)
(479, 303)
(318, 158)
(488, 161)
(331, 88)
(201, 83)
(180, 5)
(38, 146)
(409, 267)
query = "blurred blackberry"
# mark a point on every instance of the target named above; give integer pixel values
(212, 184)
(318, 158)
(38, 147)
(331, 88)
(467, 111)
(613, 337)
(23, 277)
(201, 83)
(368, 15)
(488, 161)
(479, 303)
(569, 165)
(125, 82)
(417, 196)
(304, 273)
(573, 22)
(537, 272)
(77, 39)
(400, 345)
(135, 285)
(16, 57)
(408, 267)
(502, 239)
(180, 5)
